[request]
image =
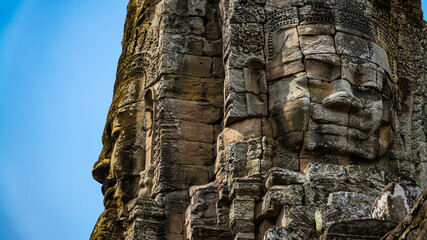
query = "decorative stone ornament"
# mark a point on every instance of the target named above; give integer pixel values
(266, 119)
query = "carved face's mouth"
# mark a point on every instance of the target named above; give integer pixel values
(337, 129)
(108, 189)
(343, 131)
(343, 140)
(333, 129)
(360, 123)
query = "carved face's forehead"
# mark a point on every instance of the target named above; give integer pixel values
(352, 15)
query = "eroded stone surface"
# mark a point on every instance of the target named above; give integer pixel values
(414, 225)
(343, 207)
(392, 204)
(265, 119)
(359, 229)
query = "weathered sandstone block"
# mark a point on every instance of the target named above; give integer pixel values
(266, 119)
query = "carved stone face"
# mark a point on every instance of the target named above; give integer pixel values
(120, 160)
(329, 91)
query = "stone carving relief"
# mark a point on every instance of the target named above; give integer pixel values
(252, 36)
(265, 119)
(337, 99)
(246, 11)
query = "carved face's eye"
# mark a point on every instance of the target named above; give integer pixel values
(115, 134)
(370, 87)
(368, 91)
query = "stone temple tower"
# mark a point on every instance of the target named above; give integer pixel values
(266, 119)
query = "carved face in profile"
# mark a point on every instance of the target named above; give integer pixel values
(120, 160)
(329, 88)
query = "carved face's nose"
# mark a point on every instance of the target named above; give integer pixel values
(101, 169)
(342, 97)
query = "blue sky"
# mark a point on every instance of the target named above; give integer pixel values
(58, 60)
(57, 68)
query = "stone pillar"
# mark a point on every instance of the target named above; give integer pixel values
(245, 106)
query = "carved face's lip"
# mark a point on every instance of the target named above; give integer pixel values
(108, 183)
(333, 129)
(341, 140)
(337, 129)
(370, 122)
(109, 191)
(109, 194)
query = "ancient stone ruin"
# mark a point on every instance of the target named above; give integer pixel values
(267, 119)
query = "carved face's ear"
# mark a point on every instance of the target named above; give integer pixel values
(386, 118)
(389, 103)
(389, 114)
